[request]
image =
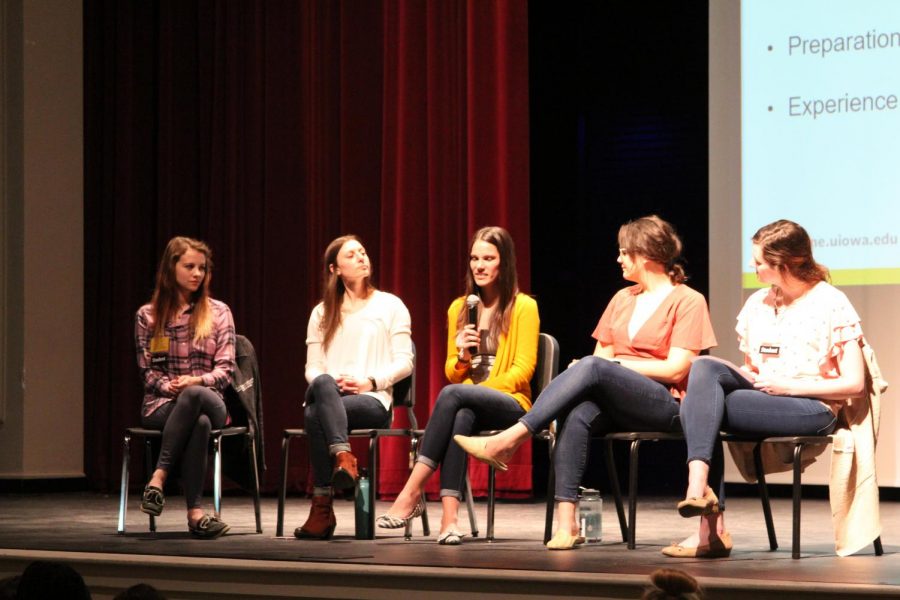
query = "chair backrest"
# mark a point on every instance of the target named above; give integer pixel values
(244, 396)
(244, 401)
(547, 366)
(404, 391)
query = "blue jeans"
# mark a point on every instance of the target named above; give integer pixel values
(594, 396)
(329, 416)
(185, 424)
(459, 408)
(720, 399)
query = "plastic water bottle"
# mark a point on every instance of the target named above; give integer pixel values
(363, 510)
(590, 511)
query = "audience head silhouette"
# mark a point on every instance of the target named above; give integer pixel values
(46, 579)
(672, 584)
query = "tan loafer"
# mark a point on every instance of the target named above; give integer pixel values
(699, 507)
(565, 541)
(720, 547)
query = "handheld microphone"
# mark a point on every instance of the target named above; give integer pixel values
(472, 302)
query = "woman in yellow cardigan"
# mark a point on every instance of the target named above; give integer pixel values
(489, 368)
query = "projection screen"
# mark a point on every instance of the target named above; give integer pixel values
(804, 123)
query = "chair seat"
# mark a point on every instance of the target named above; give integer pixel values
(788, 439)
(645, 436)
(357, 432)
(224, 432)
(246, 363)
(215, 437)
(404, 397)
(373, 434)
(546, 368)
(636, 437)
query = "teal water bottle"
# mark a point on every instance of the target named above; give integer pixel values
(363, 510)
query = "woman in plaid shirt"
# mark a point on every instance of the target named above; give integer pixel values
(185, 353)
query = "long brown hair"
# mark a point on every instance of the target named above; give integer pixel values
(507, 279)
(166, 297)
(333, 288)
(656, 240)
(786, 246)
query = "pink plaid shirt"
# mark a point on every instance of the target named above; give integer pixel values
(212, 358)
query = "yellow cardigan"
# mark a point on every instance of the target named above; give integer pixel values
(516, 351)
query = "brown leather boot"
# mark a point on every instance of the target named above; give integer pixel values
(344, 475)
(321, 522)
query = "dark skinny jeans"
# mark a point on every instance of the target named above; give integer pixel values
(461, 409)
(596, 396)
(185, 424)
(328, 418)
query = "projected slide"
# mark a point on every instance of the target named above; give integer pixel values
(821, 130)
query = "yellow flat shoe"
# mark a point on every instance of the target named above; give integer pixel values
(476, 447)
(564, 541)
(719, 548)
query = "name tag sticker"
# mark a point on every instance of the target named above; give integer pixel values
(769, 350)
(158, 359)
(159, 345)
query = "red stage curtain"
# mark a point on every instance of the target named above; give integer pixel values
(270, 128)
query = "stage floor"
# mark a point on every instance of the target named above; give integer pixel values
(86, 523)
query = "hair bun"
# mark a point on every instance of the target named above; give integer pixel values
(673, 583)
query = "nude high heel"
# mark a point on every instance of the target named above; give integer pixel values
(477, 448)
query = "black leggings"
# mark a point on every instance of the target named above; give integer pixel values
(185, 424)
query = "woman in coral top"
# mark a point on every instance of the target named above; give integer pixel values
(801, 342)
(489, 368)
(646, 339)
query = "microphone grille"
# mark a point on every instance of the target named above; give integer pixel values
(472, 300)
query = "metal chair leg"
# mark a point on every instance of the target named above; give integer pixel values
(373, 483)
(551, 501)
(616, 489)
(492, 476)
(795, 541)
(407, 531)
(632, 491)
(217, 475)
(426, 529)
(470, 507)
(123, 490)
(764, 496)
(282, 488)
(148, 466)
(254, 472)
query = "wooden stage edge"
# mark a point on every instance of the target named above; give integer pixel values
(193, 577)
(244, 564)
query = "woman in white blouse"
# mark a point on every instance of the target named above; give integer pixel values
(802, 358)
(358, 346)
